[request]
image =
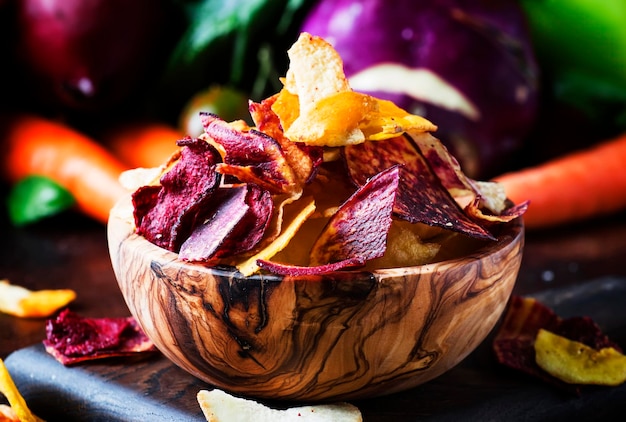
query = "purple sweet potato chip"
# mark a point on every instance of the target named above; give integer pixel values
(165, 215)
(251, 157)
(71, 338)
(358, 230)
(235, 225)
(421, 196)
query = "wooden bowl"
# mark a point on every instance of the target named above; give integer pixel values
(343, 336)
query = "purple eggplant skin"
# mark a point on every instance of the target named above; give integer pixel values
(478, 50)
(89, 55)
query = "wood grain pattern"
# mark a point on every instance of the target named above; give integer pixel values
(346, 336)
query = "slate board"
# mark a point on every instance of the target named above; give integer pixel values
(153, 389)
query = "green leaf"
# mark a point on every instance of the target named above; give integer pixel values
(35, 198)
(211, 22)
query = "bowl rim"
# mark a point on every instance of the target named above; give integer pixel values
(507, 235)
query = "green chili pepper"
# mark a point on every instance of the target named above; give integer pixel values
(37, 197)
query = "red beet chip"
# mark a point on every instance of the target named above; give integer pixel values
(236, 225)
(358, 230)
(71, 338)
(296, 270)
(165, 215)
(422, 198)
(303, 159)
(252, 156)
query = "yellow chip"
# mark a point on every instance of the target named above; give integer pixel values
(219, 406)
(577, 363)
(289, 230)
(21, 302)
(405, 247)
(17, 402)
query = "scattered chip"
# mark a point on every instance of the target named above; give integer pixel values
(71, 338)
(18, 411)
(22, 302)
(219, 406)
(577, 363)
(514, 343)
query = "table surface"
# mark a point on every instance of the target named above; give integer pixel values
(70, 251)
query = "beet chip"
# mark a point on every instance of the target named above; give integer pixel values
(235, 226)
(251, 157)
(303, 159)
(166, 215)
(515, 339)
(71, 338)
(358, 230)
(296, 270)
(421, 196)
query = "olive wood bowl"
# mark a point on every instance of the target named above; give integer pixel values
(347, 335)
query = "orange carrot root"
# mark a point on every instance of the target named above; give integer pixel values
(37, 146)
(143, 144)
(578, 186)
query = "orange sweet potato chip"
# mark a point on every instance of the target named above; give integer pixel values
(19, 410)
(21, 302)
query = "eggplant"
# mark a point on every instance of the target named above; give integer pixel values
(466, 65)
(89, 55)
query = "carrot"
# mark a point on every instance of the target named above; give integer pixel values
(580, 185)
(37, 146)
(143, 144)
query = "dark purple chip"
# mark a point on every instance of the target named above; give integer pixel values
(421, 196)
(359, 228)
(252, 156)
(71, 338)
(235, 225)
(165, 215)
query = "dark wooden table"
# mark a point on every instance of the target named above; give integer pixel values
(71, 252)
